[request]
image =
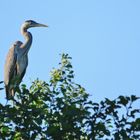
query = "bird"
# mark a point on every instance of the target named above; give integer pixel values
(17, 59)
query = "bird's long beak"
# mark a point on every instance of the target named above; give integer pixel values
(40, 25)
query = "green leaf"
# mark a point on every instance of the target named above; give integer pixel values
(123, 100)
(5, 129)
(134, 98)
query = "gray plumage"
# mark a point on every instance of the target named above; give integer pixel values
(17, 59)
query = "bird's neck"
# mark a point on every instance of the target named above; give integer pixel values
(28, 39)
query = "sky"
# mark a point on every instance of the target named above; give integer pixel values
(101, 36)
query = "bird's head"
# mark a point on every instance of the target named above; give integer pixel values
(30, 23)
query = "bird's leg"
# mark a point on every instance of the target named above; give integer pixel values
(12, 92)
(6, 102)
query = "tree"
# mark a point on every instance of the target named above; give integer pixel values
(61, 110)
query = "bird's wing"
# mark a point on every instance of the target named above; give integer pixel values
(10, 65)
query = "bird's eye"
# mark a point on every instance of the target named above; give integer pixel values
(29, 21)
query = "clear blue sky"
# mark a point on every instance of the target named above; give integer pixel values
(102, 37)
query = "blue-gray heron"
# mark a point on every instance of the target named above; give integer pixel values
(17, 59)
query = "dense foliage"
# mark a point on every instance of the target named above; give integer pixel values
(61, 110)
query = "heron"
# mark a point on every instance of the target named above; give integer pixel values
(17, 59)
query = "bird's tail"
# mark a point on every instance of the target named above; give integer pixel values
(9, 92)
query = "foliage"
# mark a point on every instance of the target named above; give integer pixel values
(61, 110)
